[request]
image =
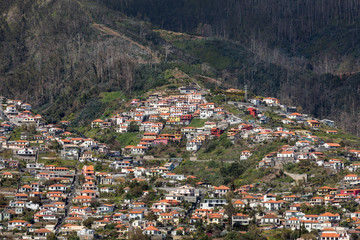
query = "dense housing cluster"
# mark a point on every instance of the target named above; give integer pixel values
(57, 183)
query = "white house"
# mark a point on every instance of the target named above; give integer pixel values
(286, 154)
(193, 145)
(350, 178)
(240, 219)
(26, 152)
(163, 206)
(293, 223)
(245, 155)
(272, 205)
(58, 187)
(296, 116)
(151, 230)
(185, 191)
(206, 113)
(271, 101)
(173, 176)
(11, 109)
(136, 214)
(221, 190)
(329, 217)
(270, 219)
(105, 208)
(138, 150)
(17, 224)
(331, 145)
(26, 106)
(212, 203)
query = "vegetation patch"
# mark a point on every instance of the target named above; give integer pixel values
(129, 138)
(197, 122)
(107, 97)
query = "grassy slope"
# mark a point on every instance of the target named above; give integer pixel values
(196, 122)
(128, 139)
(205, 171)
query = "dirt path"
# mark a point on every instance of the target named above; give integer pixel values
(112, 32)
(270, 176)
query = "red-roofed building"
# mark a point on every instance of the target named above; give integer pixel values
(330, 236)
(17, 224)
(221, 190)
(252, 111)
(88, 170)
(331, 145)
(151, 230)
(98, 123)
(216, 132)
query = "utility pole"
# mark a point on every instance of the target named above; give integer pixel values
(246, 89)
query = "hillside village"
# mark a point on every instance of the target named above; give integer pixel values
(58, 183)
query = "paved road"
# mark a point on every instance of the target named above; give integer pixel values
(68, 199)
(193, 207)
(261, 107)
(209, 160)
(2, 114)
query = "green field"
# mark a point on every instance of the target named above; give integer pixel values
(232, 109)
(205, 171)
(196, 122)
(129, 138)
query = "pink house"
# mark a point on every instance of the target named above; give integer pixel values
(353, 192)
(161, 141)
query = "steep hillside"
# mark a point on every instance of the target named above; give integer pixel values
(323, 95)
(62, 55)
(58, 54)
(303, 51)
(319, 35)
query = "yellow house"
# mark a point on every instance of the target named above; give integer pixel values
(163, 109)
(174, 119)
(178, 136)
(233, 90)
(200, 138)
(37, 141)
(327, 190)
(313, 123)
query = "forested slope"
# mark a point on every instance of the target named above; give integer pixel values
(323, 95)
(60, 55)
(305, 52)
(320, 35)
